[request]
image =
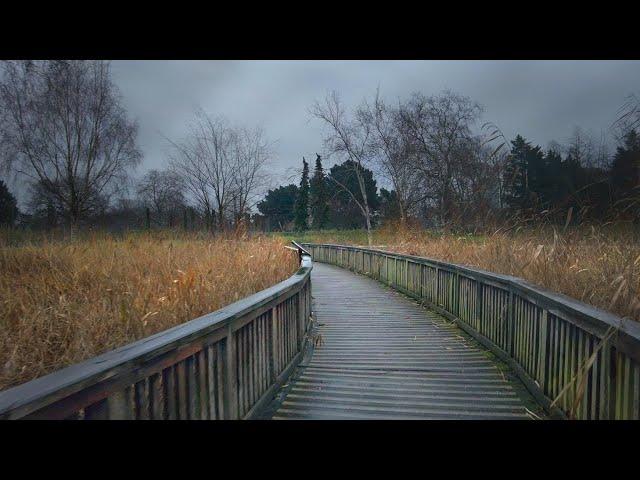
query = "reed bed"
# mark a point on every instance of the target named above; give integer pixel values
(62, 302)
(599, 265)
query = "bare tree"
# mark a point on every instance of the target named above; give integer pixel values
(628, 117)
(162, 191)
(64, 128)
(393, 152)
(582, 148)
(440, 127)
(349, 137)
(189, 166)
(251, 152)
(222, 166)
(203, 159)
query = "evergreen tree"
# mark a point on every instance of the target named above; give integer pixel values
(625, 175)
(551, 189)
(278, 205)
(343, 187)
(389, 205)
(515, 175)
(318, 197)
(523, 175)
(301, 209)
(625, 169)
(8, 206)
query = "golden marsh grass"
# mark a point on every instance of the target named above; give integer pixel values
(599, 265)
(62, 302)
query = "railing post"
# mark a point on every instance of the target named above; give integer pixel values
(231, 377)
(273, 364)
(119, 405)
(510, 323)
(300, 320)
(607, 383)
(406, 274)
(542, 359)
(456, 295)
(395, 272)
(386, 269)
(479, 303)
(437, 299)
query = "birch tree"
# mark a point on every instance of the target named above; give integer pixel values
(350, 138)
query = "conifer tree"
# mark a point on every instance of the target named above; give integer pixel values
(625, 175)
(8, 206)
(522, 174)
(318, 197)
(302, 201)
(625, 168)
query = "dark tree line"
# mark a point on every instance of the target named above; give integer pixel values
(550, 182)
(65, 132)
(325, 201)
(446, 171)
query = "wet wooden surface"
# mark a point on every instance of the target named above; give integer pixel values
(383, 356)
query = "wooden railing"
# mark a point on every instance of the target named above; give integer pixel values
(224, 365)
(578, 361)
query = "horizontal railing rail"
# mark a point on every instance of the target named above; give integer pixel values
(224, 365)
(578, 361)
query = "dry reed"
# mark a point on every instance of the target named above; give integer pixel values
(65, 301)
(599, 265)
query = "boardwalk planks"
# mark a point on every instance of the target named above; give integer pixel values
(547, 338)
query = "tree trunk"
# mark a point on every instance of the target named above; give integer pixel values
(369, 234)
(367, 213)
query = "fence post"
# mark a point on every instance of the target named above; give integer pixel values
(542, 352)
(456, 295)
(300, 318)
(510, 323)
(437, 299)
(479, 301)
(231, 377)
(273, 364)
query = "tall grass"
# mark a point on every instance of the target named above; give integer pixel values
(599, 265)
(65, 301)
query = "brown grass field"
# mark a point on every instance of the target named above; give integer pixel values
(65, 301)
(597, 265)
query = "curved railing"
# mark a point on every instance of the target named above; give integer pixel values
(578, 361)
(224, 365)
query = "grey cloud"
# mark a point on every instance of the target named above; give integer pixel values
(542, 100)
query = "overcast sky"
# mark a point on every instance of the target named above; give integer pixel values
(542, 100)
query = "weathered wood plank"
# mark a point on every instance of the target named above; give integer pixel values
(377, 353)
(549, 336)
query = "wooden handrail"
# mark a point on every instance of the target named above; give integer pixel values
(224, 365)
(577, 360)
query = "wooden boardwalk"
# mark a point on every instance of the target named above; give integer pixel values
(386, 357)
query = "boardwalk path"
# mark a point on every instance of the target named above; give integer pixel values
(386, 357)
